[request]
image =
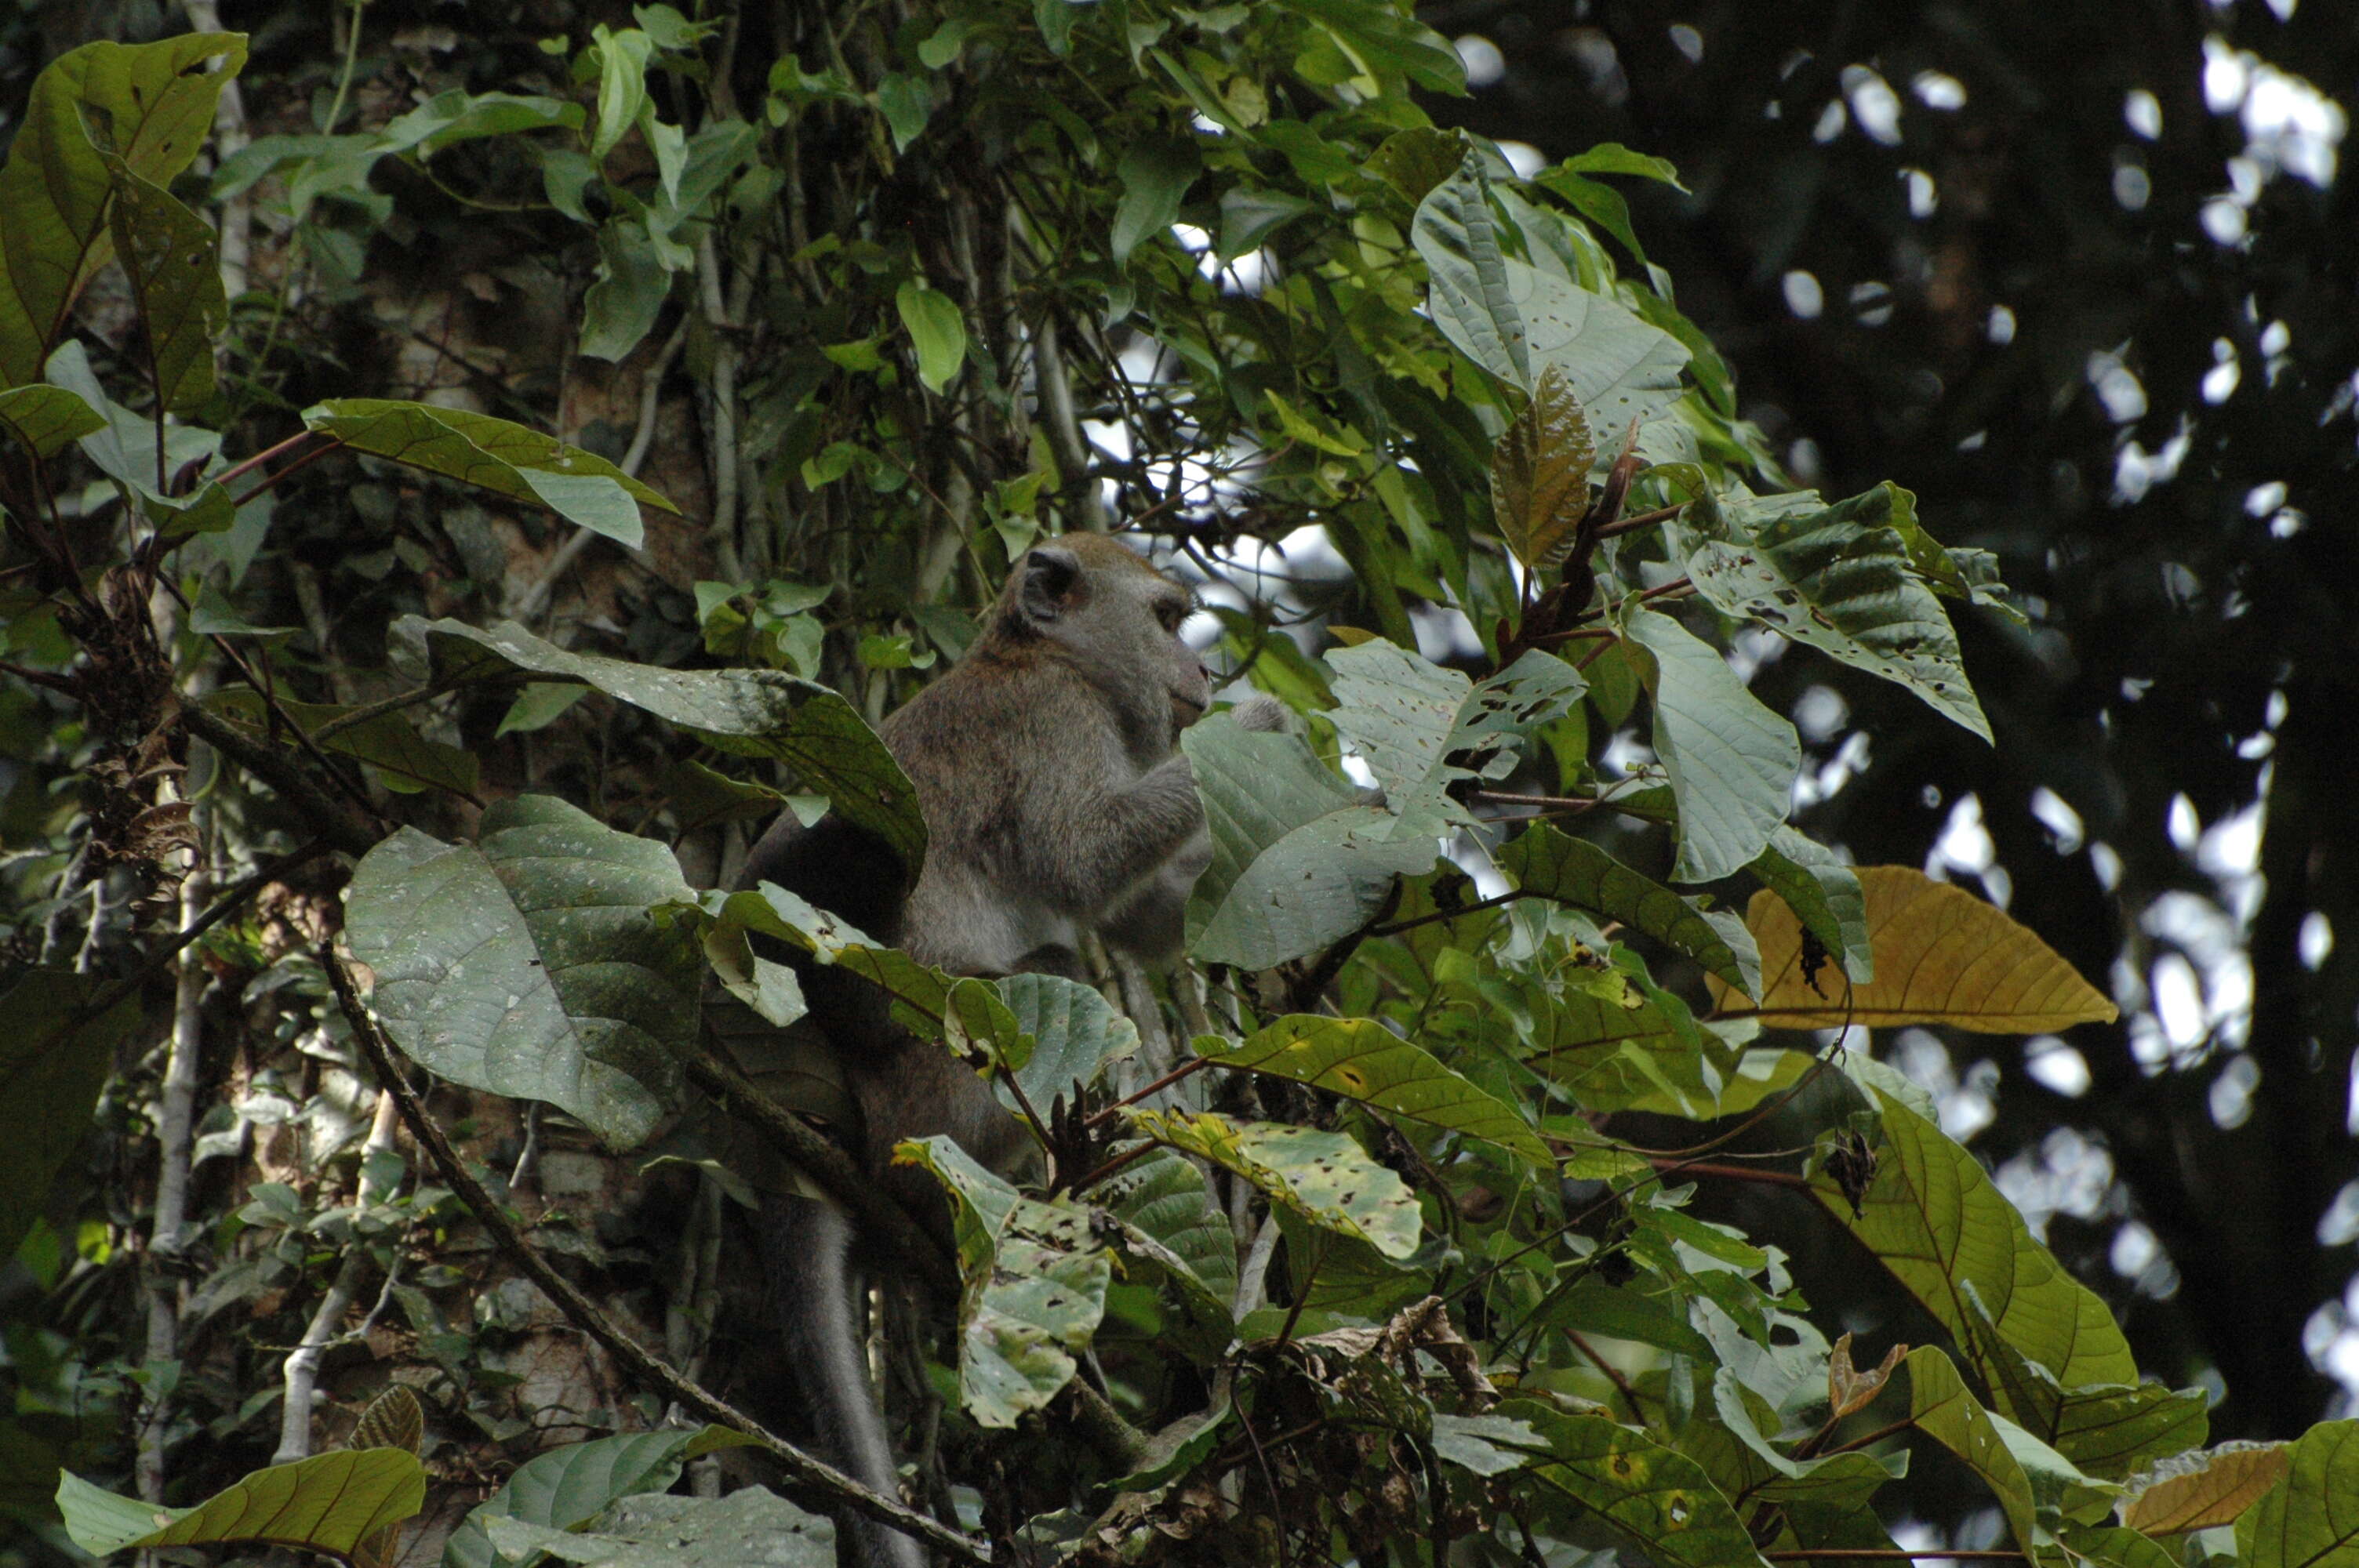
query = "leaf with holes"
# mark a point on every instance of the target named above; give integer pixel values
(1554, 865)
(1035, 1286)
(1360, 1059)
(1841, 580)
(1325, 1178)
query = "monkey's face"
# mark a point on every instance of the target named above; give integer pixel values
(1118, 620)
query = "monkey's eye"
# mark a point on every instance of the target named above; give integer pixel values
(1171, 615)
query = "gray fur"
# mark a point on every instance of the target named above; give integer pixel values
(1056, 802)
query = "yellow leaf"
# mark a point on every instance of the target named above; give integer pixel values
(1942, 956)
(2232, 1477)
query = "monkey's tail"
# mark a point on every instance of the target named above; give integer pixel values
(806, 1251)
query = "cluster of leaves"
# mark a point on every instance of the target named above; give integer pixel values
(1390, 1260)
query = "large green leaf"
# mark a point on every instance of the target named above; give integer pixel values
(527, 964)
(1075, 1032)
(1383, 36)
(750, 1528)
(2205, 1490)
(1732, 760)
(152, 105)
(1297, 860)
(1035, 1286)
(1841, 580)
(1361, 1059)
(1556, 866)
(1422, 729)
(328, 1503)
(1657, 1496)
(43, 418)
(1514, 319)
(169, 255)
(754, 713)
(2310, 1519)
(568, 1488)
(1324, 1178)
(2107, 1430)
(49, 1080)
(1932, 1218)
(496, 454)
(1942, 1408)
(1167, 1212)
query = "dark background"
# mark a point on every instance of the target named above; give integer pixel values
(2194, 634)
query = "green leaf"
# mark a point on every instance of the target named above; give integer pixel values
(1361, 1059)
(172, 261)
(1834, 1480)
(750, 1526)
(622, 85)
(1075, 1033)
(1250, 216)
(386, 741)
(539, 704)
(1557, 866)
(124, 447)
(1486, 1445)
(1324, 1178)
(1613, 157)
(2310, 1519)
(156, 104)
(527, 964)
(1934, 1220)
(328, 1503)
(934, 326)
(1540, 472)
(907, 103)
(2107, 1430)
(1298, 861)
(1415, 160)
(1941, 1407)
(753, 713)
(1662, 1501)
(1422, 729)
(1732, 761)
(1036, 1285)
(44, 418)
(1512, 318)
(1841, 580)
(1384, 36)
(1824, 894)
(567, 1488)
(1455, 232)
(49, 1083)
(620, 308)
(1167, 1212)
(504, 457)
(1155, 175)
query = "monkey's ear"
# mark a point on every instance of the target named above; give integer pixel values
(1050, 574)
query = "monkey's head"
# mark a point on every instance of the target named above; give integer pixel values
(1117, 619)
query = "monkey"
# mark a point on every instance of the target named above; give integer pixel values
(1056, 801)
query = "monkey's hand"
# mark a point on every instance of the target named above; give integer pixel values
(1263, 713)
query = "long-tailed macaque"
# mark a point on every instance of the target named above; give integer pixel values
(1056, 802)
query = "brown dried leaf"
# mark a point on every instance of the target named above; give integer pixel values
(1848, 1390)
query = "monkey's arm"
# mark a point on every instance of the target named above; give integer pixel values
(1151, 925)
